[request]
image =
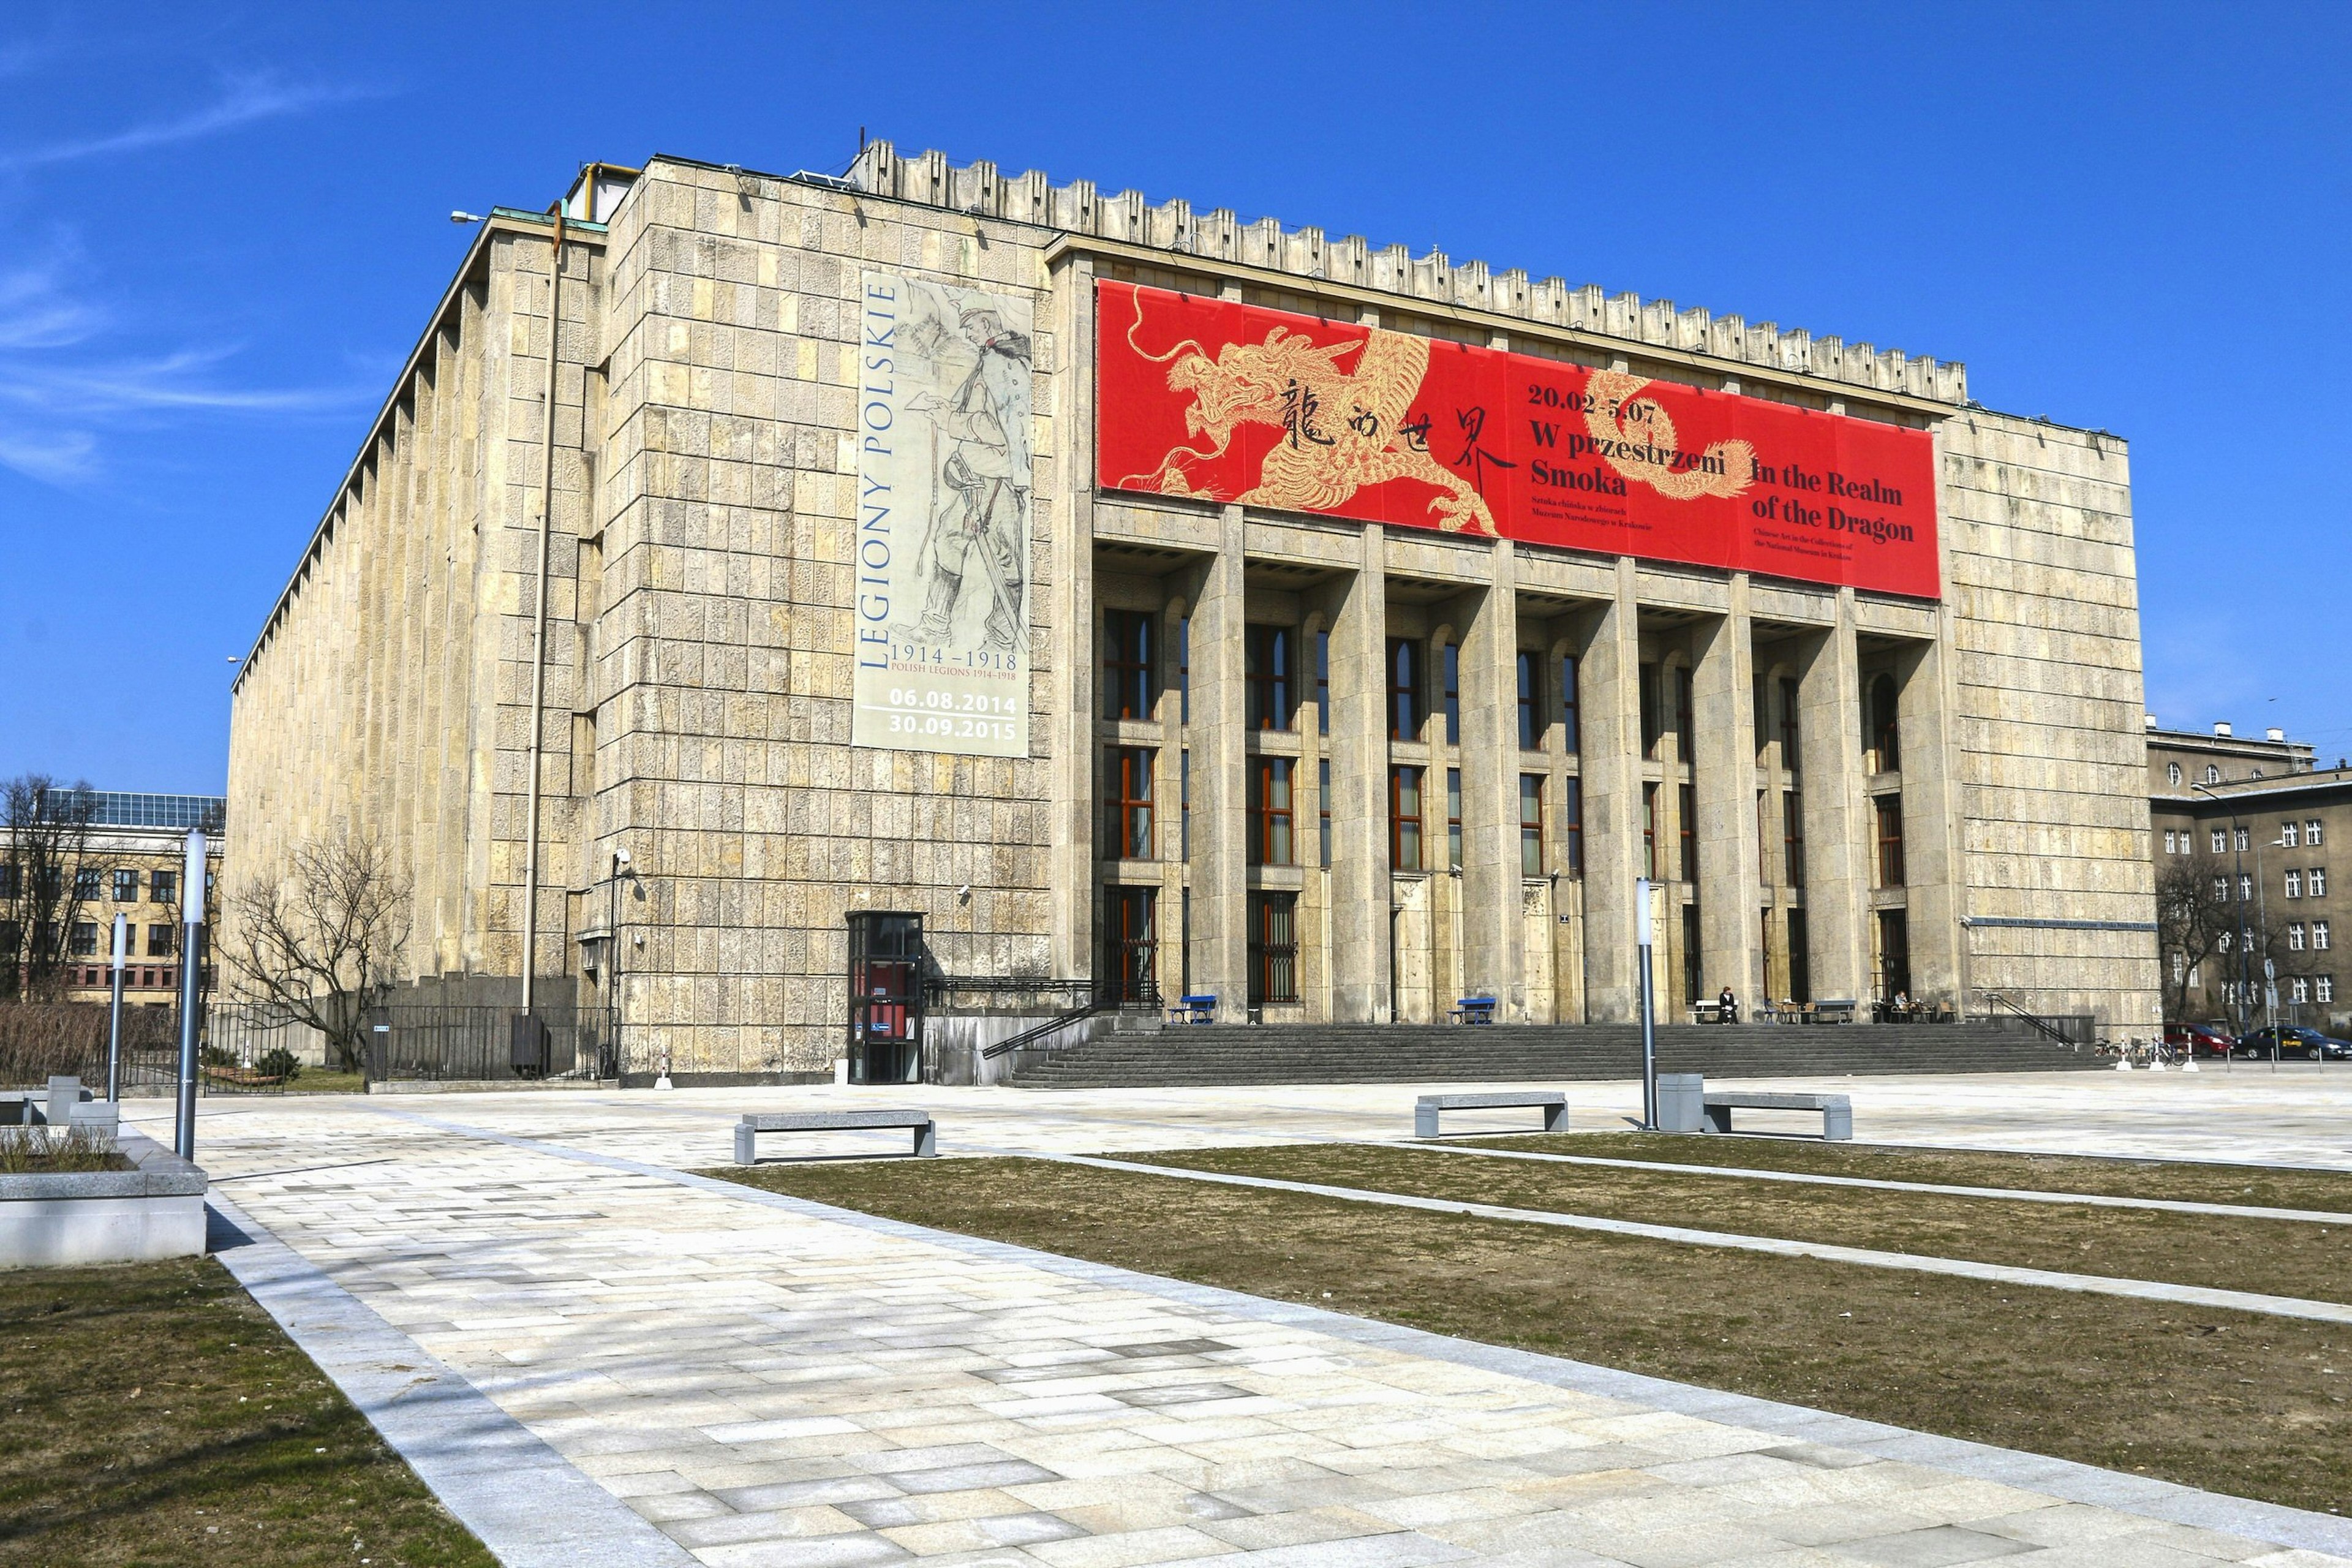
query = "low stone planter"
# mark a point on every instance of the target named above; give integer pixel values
(65, 1219)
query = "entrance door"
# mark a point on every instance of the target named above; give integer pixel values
(1130, 962)
(886, 997)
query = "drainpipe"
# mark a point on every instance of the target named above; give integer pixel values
(539, 636)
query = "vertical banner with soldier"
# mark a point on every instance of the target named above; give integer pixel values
(941, 610)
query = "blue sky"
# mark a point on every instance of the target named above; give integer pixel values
(221, 228)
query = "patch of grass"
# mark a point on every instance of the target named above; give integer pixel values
(2278, 1257)
(327, 1080)
(2256, 1186)
(2234, 1402)
(42, 1151)
(154, 1415)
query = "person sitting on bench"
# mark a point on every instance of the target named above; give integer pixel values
(1726, 1007)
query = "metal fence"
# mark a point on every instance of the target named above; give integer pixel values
(483, 1045)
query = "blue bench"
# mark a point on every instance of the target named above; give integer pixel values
(1476, 1010)
(1193, 1010)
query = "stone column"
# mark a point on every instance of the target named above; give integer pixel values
(1931, 864)
(1074, 642)
(1724, 776)
(1837, 847)
(1494, 932)
(1219, 802)
(1611, 766)
(1359, 746)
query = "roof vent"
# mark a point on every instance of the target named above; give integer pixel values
(2274, 733)
(2222, 728)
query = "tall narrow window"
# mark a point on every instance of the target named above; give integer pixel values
(1270, 812)
(1890, 841)
(1570, 730)
(1530, 728)
(1886, 737)
(1404, 818)
(1893, 953)
(1763, 837)
(1453, 665)
(1271, 681)
(1653, 721)
(2220, 841)
(1129, 931)
(1323, 808)
(1127, 834)
(1687, 828)
(1323, 683)
(1404, 689)
(1127, 664)
(1760, 715)
(1650, 831)
(1685, 715)
(1531, 793)
(2290, 834)
(1693, 979)
(1273, 948)
(1792, 838)
(1453, 818)
(1184, 669)
(1184, 803)
(1571, 829)
(2311, 833)
(1800, 959)
(1789, 727)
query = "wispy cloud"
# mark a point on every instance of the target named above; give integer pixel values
(243, 100)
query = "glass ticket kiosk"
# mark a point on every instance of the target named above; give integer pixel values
(886, 996)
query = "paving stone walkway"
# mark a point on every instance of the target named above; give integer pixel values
(770, 1382)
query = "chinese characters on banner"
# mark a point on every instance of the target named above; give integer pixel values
(1208, 397)
(941, 607)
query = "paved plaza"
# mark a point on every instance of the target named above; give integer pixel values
(597, 1358)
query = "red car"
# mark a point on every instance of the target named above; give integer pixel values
(2198, 1040)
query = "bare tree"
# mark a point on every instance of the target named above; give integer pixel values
(319, 943)
(41, 891)
(2191, 919)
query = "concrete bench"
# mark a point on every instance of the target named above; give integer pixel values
(926, 1131)
(1430, 1107)
(1837, 1110)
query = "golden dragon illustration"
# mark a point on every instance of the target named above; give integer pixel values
(1628, 426)
(1342, 431)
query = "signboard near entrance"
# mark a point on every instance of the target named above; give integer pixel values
(942, 549)
(1229, 402)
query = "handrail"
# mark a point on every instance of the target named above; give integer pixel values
(2042, 1026)
(1100, 998)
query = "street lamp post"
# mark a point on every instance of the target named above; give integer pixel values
(1642, 938)
(191, 917)
(114, 1014)
(613, 948)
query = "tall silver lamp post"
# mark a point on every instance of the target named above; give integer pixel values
(1642, 939)
(191, 926)
(114, 1013)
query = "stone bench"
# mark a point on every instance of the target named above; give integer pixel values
(926, 1131)
(1430, 1107)
(1837, 1110)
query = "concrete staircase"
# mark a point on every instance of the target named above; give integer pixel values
(1379, 1053)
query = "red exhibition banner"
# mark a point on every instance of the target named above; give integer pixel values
(1228, 402)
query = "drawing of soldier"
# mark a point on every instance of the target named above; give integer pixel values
(982, 524)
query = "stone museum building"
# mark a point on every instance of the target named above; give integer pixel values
(751, 580)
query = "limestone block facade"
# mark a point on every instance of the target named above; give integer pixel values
(1574, 721)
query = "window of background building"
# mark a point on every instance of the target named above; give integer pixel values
(1452, 671)
(1571, 829)
(1274, 948)
(1793, 839)
(85, 938)
(2301, 989)
(1653, 721)
(1323, 683)
(2319, 936)
(2323, 987)
(1127, 833)
(1788, 726)
(2319, 881)
(2311, 833)
(1688, 829)
(159, 940)
(1270, 812)
(7, 879)
(1531, 787)
(1530, 731)
(2168, 841)
(2242, 835)
(1890, 841)
(1129, 927)
(1270, 680)
(1570, 732)
(11, 937)
(126, 887)
(2295, 884)
(86, 881)
(1453, 818)
(1127, 664)
(2221, 841)
(2295, 937)
(2213, 774)
(1885, 727)
(1323, 808)
(163, 888)
(1404, 689)
(2291, 834)
(1650, 831)
(1404, 818)
(2245, 889)
(2172, 772)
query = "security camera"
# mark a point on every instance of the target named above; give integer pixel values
(620, 856)
(963, 892)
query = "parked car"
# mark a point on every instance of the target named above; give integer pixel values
(2294, 1044)
(2198, 1040)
